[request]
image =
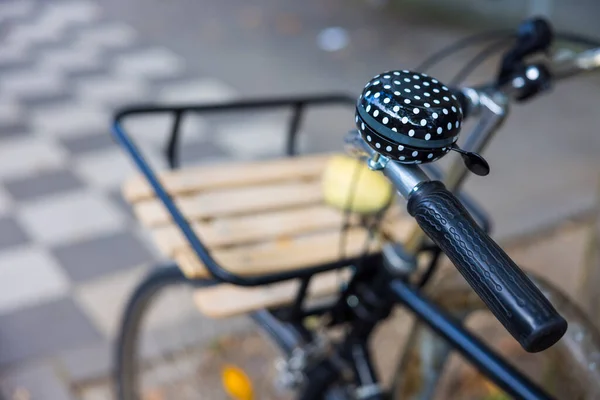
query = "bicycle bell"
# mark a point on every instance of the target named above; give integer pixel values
(412, 118)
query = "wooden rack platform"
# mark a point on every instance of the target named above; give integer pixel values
(256, 218)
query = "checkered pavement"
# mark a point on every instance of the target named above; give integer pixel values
(70, 252)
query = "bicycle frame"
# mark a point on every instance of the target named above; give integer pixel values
(285, 326)
(379, 291)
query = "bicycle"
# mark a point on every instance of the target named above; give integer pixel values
(403, 119)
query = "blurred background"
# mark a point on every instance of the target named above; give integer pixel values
(70, 249)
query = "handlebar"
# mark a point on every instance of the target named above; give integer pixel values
(384, 119)
(509, 294)
(515, 301)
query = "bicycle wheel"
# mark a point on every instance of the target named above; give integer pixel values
(429, 370)
(184, 358)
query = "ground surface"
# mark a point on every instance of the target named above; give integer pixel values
(70, 253)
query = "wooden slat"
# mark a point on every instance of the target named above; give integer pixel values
(228, 300)
(227, 175)
(233, 201)
(247, 229)
(265, 226)
(280, 256)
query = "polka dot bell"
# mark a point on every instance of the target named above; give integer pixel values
(409, 117)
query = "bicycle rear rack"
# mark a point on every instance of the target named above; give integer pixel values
(298, 105)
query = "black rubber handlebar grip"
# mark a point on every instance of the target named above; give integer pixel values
(509, 294)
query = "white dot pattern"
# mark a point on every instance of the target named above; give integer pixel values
(411, 104)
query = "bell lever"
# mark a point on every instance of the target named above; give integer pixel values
(473, 161)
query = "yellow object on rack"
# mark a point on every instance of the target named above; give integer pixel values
(349, 184)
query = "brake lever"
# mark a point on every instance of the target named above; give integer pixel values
(533, 36)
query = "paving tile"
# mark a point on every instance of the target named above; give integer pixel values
(202, 90)
(44, 330)
(34, 381)
(149, 63)
(112, 91)
(107, 35)
(86, 363)
(43, 183)
(254, 138)
(13, 58)
(71, 216)
(29, 276)
(116, 197)
(71, 12)
(108, 168)
(13, 130)
(79, 145)
(202, 152)
(31, 82)
(15, 9)
(36, 100)
(33, 32)
(26, 155)
(76, 75)
(104, 300)
(11, 233)
(71, 118)
(10, 112)
(89, 259)
(156, 129)
(5, 201)
(71, 58)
